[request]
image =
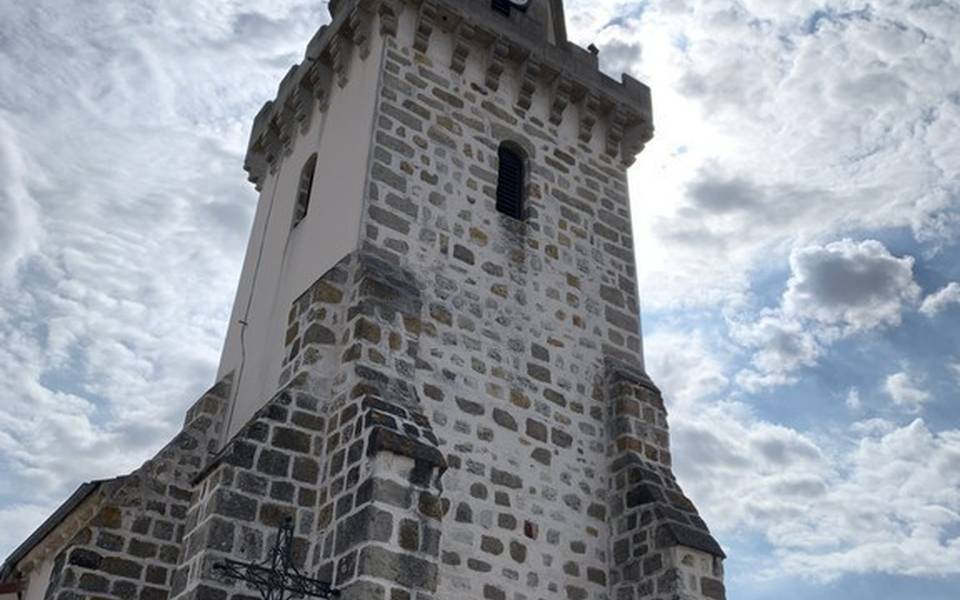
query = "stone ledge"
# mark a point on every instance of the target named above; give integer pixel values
(619, 370)
(385, 440)
(674, 534)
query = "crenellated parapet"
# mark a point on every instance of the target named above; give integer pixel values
(619, 114)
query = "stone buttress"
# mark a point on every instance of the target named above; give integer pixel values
(660, 545)
(344, 450)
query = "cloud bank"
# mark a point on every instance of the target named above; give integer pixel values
(881, 498)
(123, 216)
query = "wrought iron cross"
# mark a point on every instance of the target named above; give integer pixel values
(277, 578)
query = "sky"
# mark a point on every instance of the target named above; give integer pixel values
(797, 224)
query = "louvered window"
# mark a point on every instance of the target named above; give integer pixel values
(303, 192)
(510, 183)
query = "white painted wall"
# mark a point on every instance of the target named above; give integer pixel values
(39, 579)
(291, 260)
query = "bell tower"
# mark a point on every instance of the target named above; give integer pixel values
(442, 267)
(434, 367)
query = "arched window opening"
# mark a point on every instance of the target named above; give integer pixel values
(303, 191)
(511, 181)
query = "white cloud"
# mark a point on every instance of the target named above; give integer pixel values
(686, 365)
(19, 232)
(19, 521)
(829, 514)
(782, 126)
(884, 499)
(895, 512)
(782, 345)
(905, 391)
(123, 215)
(872, 427)
(856, 285)
(772, 133)
(833, 291)
(955, 368)
(941, 300)
(853, 400)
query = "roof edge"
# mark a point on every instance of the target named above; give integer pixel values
(40, 533)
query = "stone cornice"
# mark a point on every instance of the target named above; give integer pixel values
(570, 74)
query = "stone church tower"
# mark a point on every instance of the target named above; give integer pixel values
(434, 363)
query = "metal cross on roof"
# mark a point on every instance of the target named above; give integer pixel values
(277, 578)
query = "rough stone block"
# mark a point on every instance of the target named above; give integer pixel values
(404, 569)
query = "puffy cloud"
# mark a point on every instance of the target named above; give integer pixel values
(833, 291)
(619, 57)
(941, 300)
(778, 127)
(854, 285)
(782, 346)
(905, 391)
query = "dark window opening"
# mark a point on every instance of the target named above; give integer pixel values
(502, 7)
(510, 182)
(303, 191)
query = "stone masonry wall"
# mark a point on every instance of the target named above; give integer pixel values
(521, 319)
(515, 325)
(131, 547)
(661, 546)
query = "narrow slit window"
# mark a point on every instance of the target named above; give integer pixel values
(510, 182)
(303, 191)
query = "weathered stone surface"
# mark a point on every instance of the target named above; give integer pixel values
(404, 569)
(273, 463)
(370, 524)
(85, 558)
(536, 430)
(409, 535)
(504, 419)
(291, 439)
(503, 478)
(121, 567)
(712, 588)
(318, 334)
